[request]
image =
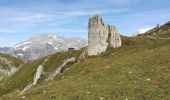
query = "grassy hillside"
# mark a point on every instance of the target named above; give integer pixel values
(139, 70)
(160, 31)
(25, 75)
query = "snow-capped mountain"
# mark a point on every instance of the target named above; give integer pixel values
(41, 45)
(141, 31)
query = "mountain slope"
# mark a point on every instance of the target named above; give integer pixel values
(139, 70)
(8, 65)
(26, 73)
(141, 31)
(42, 45)
(160, 32)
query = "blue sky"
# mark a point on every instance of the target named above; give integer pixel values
(20, 19)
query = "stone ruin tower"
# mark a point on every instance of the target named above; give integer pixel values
(101, 36)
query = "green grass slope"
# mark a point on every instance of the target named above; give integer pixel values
(139, 70)
(135, 72)
(160, 32)
(25, 75)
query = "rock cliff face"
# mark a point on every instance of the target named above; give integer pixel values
(100, 36)
(114, 37)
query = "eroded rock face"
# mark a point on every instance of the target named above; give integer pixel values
(60, 68)
(38, 74)
(114, 37)
(100, 36)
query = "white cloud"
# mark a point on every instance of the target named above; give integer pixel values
(20, 19)
(71, 30)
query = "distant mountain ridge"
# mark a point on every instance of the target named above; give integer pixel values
(41, 45)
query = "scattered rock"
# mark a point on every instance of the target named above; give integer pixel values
(23, 97)
(148, 79)
(91, 86)
(17, 90)
(101, 98)
(108, 67)
(130, 72)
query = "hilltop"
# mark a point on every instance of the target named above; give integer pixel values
(139, 69)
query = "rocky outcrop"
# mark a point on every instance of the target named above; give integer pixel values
(60, 68)
(83, 55)
(114, 37)
(7, 67)
(37, 76)
(100, 36)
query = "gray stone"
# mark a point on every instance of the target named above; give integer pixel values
(60, 68)
(100, 36)
(38, 74)
(115, 40)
